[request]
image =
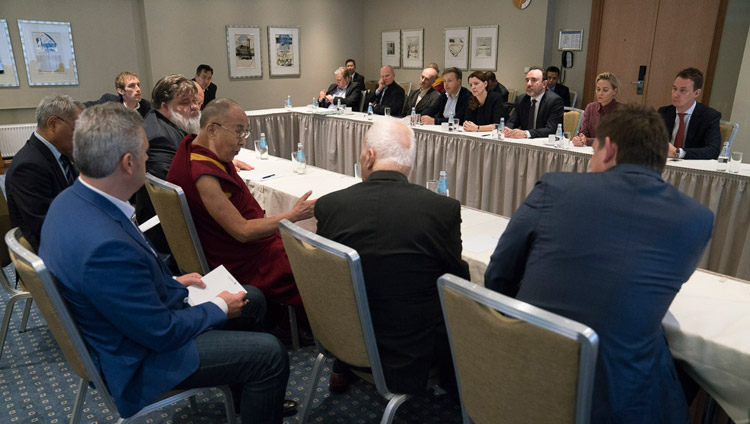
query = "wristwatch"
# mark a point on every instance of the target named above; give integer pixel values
(676, 154)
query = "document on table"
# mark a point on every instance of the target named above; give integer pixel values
(216, 281)
(479, 244)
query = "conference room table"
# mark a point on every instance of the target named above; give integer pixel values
(707, 326)
(497, 175)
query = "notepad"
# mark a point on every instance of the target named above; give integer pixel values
(217, 281)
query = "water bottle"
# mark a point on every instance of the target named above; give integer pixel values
(315, 104)
(263, 146)
(443, 183)
(450, 122)
(723, 158)
(300, 159)
(413, 116)
(501, 129)
(369, 113)
(339, 110)
(558, 136)
(288, 104)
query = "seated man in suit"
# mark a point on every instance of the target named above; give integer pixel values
(387, 94)
(692, 127)
(141, 332)
(626, 241)
(453, 102)
(42, 168)
(343, 90)
(128, 88)
(203, 76)
(402, 254)
(425, 96)
(553, 78)
(494, 85)
(357, 79)
(538, 112)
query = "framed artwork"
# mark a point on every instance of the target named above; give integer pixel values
(283, 51)
(570, 39)
(412, 48)
(484, 48)
(457, 48)
(8, 73)
(391, 48)
(243, 52)
(48, 52)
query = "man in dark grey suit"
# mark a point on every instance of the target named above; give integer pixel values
(42, 168)
(611, 249)
(343, 90)
(356, 79)
(407, 236)
(538, 112)
(388, 93)
(553, 84)
(424, 97)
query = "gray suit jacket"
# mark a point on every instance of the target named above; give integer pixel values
(429, 98)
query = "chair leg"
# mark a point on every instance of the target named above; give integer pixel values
(229, 404)
(293, 327)
(307, 405)
(80, 399)
(390, 409)
(26, 312)
(193, 405)
(6, 319)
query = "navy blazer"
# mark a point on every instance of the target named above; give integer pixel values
(609, 250)
(130, 310)
(437, 108)
(33, 180)
(703, 138)
(353, 96)
(549, 115)
(393, 97)
(562, 91)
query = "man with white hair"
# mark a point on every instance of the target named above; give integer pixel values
(342, 90)
(407, 236)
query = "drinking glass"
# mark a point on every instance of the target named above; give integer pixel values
(387, 111)
(735, 162)
(432, 185)
(358, 171)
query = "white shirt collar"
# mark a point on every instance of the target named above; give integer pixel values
(125, 207)
(690, 110)
(539, 97)
(56, 153)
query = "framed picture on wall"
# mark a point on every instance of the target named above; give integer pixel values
(8, 73)
(243, 52)
(391, 48)
(283, 51)
(457, 48)
(412, 48)
(484, 48)
(48, 52)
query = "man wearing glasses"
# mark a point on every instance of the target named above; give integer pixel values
(42, 168)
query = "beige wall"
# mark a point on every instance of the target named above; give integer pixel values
(741, 107)
(730, 57)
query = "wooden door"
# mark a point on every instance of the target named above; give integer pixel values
(664, 36)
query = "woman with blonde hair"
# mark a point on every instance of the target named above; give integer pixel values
(607, 85)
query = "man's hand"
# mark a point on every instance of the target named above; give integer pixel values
(515, 133)
(303, 208)
(235, 302)
(673, 152)
(329, 98)
(241, 166)
(380, 84)
(192, 279)
(321, 96)
(428, 120)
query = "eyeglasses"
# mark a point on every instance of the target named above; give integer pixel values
(242, 135)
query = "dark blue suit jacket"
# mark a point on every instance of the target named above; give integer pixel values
(130, 310)
(550, 113)
(609, 250)
(437, 108)
(703, 138)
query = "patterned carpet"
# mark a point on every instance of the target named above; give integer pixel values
(37, 386)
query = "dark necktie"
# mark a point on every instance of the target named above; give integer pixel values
(679, 138)
(68, 169)
(532, 109)
(382, 94)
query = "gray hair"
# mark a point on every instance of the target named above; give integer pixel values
(341, 70)
(383, 136)
(169, 87)
(103, 135)
(60, 105)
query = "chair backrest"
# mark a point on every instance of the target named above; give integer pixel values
(363, 100)
(511, 95)
(407, 88)
(174, 215)
(572, 119)
(728, 132)
(573, 98)
(43, 288)
(370, 86)
(515, 362)
(329, 273)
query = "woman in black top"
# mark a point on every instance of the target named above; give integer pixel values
(484, 109)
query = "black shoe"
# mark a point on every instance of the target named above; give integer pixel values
(288, 408)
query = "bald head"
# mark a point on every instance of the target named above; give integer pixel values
(387, 75)
(219, 108)
(427, 78)
(388, 145)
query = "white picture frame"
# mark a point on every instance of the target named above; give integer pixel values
(484, 48)
(390, 48)
(570, 39)
(412, 48)
(8, 71)
(283, 51)
(48, 52)
(244, 52)
(456, 48)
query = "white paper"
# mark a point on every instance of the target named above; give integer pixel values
(479, 244)
(217, 281)
(151, 223)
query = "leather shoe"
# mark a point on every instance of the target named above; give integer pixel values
(288, 408)
(339, 382)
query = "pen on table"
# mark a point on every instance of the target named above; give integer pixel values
(267, 176)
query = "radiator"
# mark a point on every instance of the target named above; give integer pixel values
(13, 137)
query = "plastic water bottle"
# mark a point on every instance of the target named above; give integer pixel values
(443, 183)
(559, 136)
(450, 122)
(501, 129)
(413, 116)
(315, 104)
(369, 113)
(723, 158)
(263, 146)
(288, 104)
(300, 159)
(339, 110)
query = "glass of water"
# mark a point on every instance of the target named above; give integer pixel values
(735, 162)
